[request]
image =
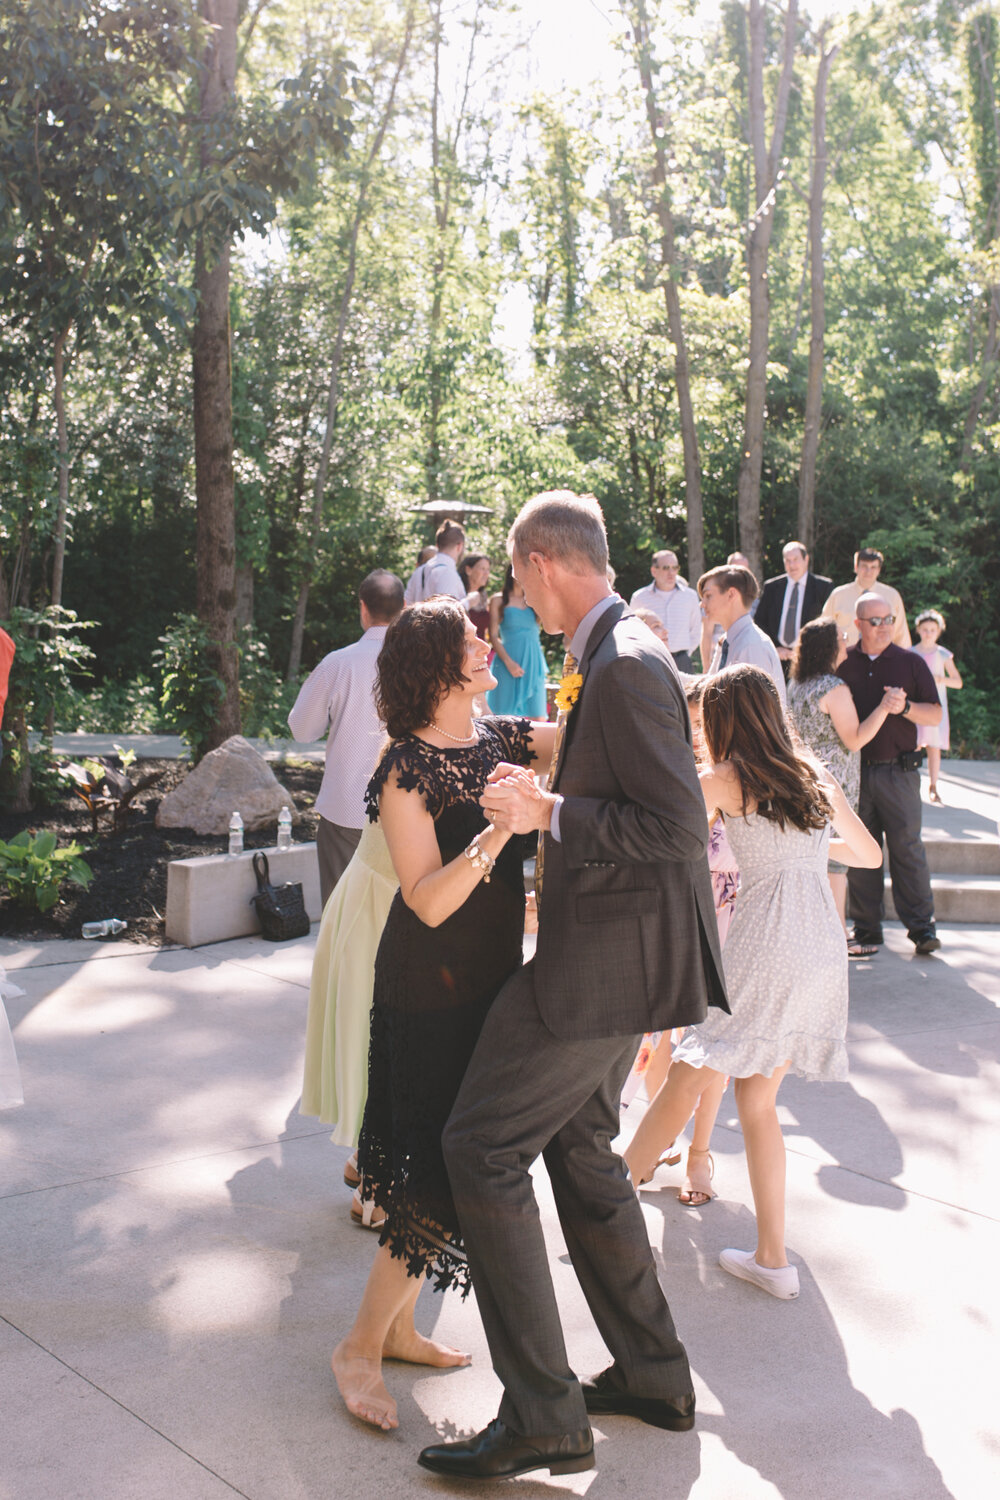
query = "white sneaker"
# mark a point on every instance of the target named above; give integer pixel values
(780, 1281)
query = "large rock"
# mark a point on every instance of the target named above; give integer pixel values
(234, 778)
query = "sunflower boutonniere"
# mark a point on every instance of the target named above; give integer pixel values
(569, 691)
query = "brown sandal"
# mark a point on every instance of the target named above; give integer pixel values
(352, 1177)
(670, 1158)
(692, 1197)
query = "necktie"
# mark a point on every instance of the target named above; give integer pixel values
(724, 655)
(788, 623)
(569, 667)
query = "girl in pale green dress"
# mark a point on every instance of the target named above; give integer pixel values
(335, 1075)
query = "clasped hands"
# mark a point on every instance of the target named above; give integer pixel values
(514, 802)
(894, 699)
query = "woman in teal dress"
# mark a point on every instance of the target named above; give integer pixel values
(519, 664)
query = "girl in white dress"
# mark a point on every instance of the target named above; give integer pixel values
(785, 961)
(936, 737)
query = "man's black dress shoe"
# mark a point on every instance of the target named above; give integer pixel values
(925, 942)
(604, 1398)
(498, 1453)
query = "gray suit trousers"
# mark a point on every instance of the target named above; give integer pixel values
(335, 848)
(527, 1093)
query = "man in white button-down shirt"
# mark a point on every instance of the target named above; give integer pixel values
(677, 605)
(338, 696)
(440, 575)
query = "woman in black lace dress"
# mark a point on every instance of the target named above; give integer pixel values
(452, 938)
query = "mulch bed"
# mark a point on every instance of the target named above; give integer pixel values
(130, 869)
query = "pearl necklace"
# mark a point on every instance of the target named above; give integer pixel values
(467, 739)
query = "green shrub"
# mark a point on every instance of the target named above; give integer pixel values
(191, 692)
(265, 699)
(49, 653)
(975, 721)
(113, 708)
(33, 868)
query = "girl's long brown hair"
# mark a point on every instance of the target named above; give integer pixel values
(743, 723)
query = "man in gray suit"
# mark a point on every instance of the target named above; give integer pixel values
(627, 943)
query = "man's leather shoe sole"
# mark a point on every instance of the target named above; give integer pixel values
(603, 1399)
(498, 1453)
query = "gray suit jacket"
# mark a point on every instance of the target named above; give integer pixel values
(628, 940)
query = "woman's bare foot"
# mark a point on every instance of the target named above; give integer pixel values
(360, 1383)
(408, 1344)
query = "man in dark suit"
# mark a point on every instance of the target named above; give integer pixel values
(627, 943)
(792, 599)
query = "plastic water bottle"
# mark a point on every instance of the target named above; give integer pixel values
(110, 927)
(236, 834)
(284, 829)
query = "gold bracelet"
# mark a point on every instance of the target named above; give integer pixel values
(478, 857)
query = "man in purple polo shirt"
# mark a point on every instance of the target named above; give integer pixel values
(874, 670)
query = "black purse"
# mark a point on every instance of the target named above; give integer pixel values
(281, 909)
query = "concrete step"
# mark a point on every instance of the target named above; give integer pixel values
(961, 898)
(971, 856)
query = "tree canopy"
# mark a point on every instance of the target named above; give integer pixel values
(763, 262)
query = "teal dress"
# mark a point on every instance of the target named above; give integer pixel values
(522, 696)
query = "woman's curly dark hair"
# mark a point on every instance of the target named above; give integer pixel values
(744, 723)
(422, 657)
(816, 650)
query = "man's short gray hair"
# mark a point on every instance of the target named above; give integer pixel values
(563, 526)
(871, 598)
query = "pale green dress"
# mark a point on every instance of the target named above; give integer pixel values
(335, 1076)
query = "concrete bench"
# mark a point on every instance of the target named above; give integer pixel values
(208, 898)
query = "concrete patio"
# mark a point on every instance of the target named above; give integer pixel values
(178, 1258)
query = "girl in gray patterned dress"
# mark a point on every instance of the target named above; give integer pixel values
(823, 712)
(784, 959)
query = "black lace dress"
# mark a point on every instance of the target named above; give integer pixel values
(433, 988)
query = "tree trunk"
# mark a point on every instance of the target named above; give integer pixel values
(62, 454)
(817, 303)
(244, 596)
(991, 348)
(213, 405)
(765, 161)
(639, 20)
(15, 772)
(333, 389)
(444, 166)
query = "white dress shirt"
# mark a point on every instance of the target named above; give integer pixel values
(439, 575)
(680, 610)
(338, 696)
(748, 643)
(797, 623)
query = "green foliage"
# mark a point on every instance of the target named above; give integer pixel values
(103, 786)
(974, 714)
(49, 653)
(265, 700)
(547, 206)
(32, 867)
(131, 707)
(191, 691)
